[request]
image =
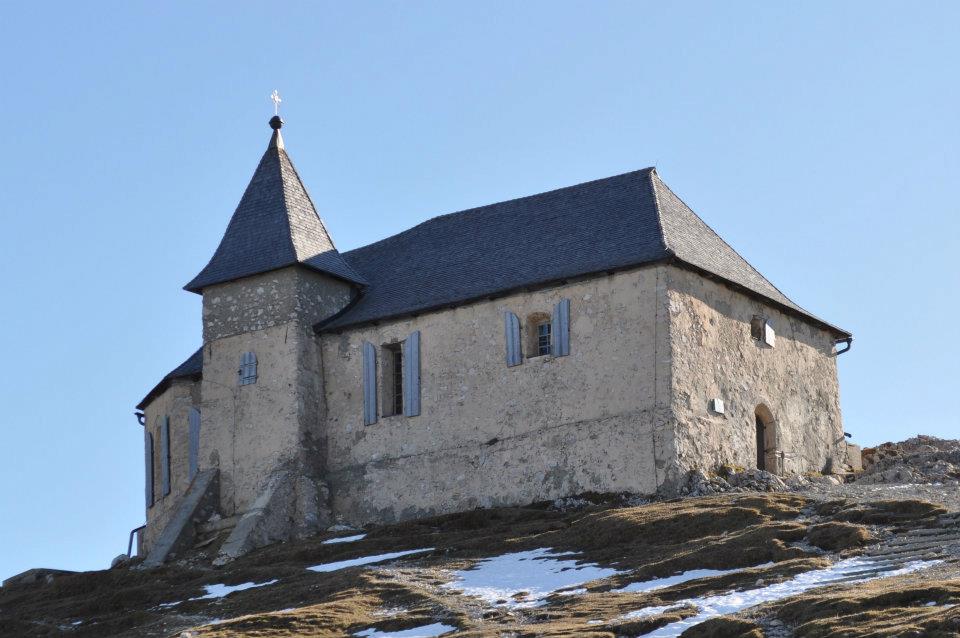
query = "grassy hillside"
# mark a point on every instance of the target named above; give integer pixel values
(598, 569)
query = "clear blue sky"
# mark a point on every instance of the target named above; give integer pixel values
(820, 139)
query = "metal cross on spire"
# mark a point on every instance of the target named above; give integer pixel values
(276, 102)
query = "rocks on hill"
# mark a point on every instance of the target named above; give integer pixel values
(921, 459)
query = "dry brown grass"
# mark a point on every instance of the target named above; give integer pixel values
(888, 607)
(646, 542)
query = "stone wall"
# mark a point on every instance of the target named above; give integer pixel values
(714, 356)
(492, 435)
(175, 402)
(251, 431)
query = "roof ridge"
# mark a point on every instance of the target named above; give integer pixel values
(653, 178)
(506, 201)
(313, 208)
(281, 152)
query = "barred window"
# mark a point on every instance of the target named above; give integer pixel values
(543, 338)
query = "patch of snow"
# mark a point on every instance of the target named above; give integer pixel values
(365, 560)
(344, 539)
(524, 579)
(676, 579)
(168, 605)
(426, 631)
(219, 591)
(733, 602)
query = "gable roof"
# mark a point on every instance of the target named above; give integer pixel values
(192, 368)
(275, 225)
(604, 225)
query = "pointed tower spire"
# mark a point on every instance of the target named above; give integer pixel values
(275, 225)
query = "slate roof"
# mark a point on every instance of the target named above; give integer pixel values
(192, 368)
(607, 224)
(275, 225)
(600, 226)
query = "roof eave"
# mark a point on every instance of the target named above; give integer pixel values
(193, 287)
(820, 323)
(161, 387)
(671, 258)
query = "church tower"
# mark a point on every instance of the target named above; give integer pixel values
(275, 274)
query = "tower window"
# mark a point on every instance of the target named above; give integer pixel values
(392, 375)
(247, 374)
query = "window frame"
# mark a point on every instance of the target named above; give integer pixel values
(391, 379)
(533, 344)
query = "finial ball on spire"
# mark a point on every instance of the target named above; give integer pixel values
(276, 122)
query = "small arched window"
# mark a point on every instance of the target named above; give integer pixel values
(539, 330)
(248, 368)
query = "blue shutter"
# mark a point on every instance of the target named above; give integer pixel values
(165, 456)
(511, 333)
(148, 465)
(411, 375)
(248, 368)
(369, 383)
(560, 329)
(194, 442)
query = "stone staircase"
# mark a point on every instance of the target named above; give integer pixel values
(212, 531)
(922, 544)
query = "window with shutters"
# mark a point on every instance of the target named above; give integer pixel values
(392, 379)
(762, 330)
(247, 373)
(539, 331)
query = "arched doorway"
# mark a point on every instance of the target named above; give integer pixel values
(768, 456)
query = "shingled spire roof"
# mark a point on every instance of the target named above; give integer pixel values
(275, 225)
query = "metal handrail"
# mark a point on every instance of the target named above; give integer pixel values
(130, 542)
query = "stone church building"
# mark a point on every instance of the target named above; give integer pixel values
(599, 337)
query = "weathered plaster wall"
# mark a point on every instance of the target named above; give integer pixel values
(250, 431)
(714, 356)
(175, 402)
(489, 434)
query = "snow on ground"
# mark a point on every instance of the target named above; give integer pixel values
(365, 560)
(344, 539)
(538, 573)
(733, 602)
(426, 631)
(676, 579)
(219, 591)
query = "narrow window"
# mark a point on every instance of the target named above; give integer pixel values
(165, 456)
(398, 381)
(543, 338)
(391, 376)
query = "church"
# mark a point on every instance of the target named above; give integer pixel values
(595, 338)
